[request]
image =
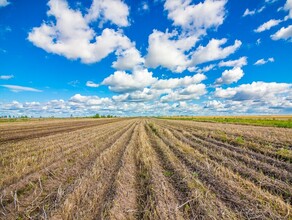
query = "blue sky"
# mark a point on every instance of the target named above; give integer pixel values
(126, 57)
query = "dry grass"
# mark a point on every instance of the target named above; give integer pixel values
(144, 169)
(157, 199)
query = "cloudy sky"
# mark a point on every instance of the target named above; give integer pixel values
(148, 57)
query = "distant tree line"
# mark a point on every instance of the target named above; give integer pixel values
(71, 116)
(9, 116)
(103, 116)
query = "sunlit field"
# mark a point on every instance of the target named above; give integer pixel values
(144, 168)
(145, 110)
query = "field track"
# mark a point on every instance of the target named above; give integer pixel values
(141, 168)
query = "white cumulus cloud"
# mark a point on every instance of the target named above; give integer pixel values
(254, 91)
(214, 104)
(121, 81)
(263, 61)
(92, 84)
(4, 3)
(288, 7)
(234, 63)
(268, 25)
(80, 100)
(178, 82)
(248, 12)
(283, 33)
(115, 11)
(191, 92)
(230, 76)
(214, 51)
(71, 35)
(128, 59)
(165, 51)
(204, 15)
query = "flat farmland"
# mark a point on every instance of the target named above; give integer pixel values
(144, 168)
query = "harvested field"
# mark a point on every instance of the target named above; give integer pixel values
(144, 169)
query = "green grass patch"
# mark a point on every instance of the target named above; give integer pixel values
(261, 121)
(239, 140)
(167, 173)
(285, 153)
(153, 128)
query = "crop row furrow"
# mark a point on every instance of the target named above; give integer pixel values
(225, 135)
(237, 193)
(38, 160)
(36, 133)
(18, 145)
(197, 202)
(270, 161)
(87, 199)
(261, 136)
(48, 186)
(122, 203)
(243, 166)
(46, 146)
(156, 198)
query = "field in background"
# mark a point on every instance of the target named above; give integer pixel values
(142, 168)
(283, 121)
(27, 119)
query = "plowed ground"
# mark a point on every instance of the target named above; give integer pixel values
(144, 169)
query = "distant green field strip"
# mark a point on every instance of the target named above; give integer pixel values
(244, 121)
